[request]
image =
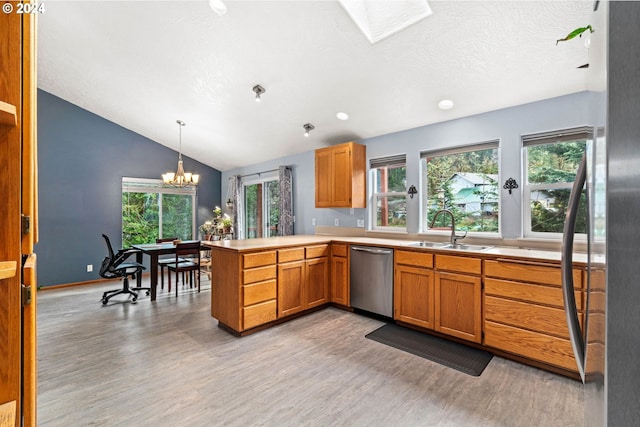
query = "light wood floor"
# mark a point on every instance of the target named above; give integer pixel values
(168, 364)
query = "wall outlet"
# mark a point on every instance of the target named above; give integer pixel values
(313, 221)
(351, 211)
(360, 223)
(336, 222)
(89, 268)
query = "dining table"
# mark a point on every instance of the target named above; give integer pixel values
(154, 250)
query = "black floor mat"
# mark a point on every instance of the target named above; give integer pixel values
(465, 359)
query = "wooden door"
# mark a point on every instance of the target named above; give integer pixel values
(291, 288)
(324, 178)
(19, 196)
(340, 280)
(414, 296)
(317, 292)
(458, 305)
(342, 176)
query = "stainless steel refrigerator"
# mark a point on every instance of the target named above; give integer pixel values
(607, 346)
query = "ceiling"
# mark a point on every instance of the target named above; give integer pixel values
(145, 64)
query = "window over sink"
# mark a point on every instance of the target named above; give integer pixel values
(464, 181)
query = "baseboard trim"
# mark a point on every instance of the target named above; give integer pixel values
(72, 284)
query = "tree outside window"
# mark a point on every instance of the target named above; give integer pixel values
(465, 182)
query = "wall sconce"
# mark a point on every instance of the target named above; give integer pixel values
(412, 191)
(308, 128)
(259, 90)
(510, 184)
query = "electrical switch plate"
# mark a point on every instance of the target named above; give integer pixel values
(313, 221)
(360, 222)
(336, 222)
(89, 268)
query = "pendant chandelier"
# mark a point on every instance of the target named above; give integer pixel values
(180, 178)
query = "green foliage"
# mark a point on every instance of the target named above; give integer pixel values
(141, 217)
(441, 169)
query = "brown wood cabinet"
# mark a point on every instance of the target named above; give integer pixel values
(339, 281)
(341, 176)
(413, 290)
(458, 297)
(303, 278)
(18, 186)
(524, 312)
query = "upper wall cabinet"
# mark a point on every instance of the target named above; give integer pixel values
(340, 176)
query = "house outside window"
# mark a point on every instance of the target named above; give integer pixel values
(464, 181)
(389, 199)
(151, 210)
(551, 161)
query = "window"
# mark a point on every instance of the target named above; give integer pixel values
(389, 177)
(261, 208)
(151, 211)
(464, 181)
(551, 161)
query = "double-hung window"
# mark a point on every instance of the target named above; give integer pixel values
(151, 211)
(389, 204)
(465, 182)
(551, 161)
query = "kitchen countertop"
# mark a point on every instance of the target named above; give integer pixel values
(299, 240)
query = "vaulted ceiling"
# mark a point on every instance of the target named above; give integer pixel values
(145, 64)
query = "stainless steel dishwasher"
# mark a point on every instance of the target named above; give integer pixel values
(371, 279)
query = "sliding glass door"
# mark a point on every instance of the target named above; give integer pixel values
(261, 208)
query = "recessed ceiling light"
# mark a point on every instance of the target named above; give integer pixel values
(342, 116)
(218, 6)
(445, 104)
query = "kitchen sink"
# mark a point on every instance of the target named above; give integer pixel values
(424, 244)
(463, 247)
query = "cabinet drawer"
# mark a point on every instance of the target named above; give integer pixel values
(549, 320)
(258, 259)
(290, 254)
(259, 292)
(529, 272)
(317, 251)
(259, 314)
(258, 274)
(339, 250)
(533, 345)
(419, 259)
(549, 295)
(459, 263)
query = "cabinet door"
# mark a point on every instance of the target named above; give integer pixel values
(340, 281)
(413, 296)
(342, 176)
(291, 284)
(324, 178)
(317, 292)
(458, 305)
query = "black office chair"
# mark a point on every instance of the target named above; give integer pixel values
(114, 266)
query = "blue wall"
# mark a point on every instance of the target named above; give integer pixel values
(506, 125)
(81, 161)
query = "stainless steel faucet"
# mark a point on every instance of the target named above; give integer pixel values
(454, 237)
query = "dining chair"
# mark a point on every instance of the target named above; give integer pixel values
(190, 252)
(164, 260)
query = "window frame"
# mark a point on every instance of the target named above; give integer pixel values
(582, 133)
(399, 160)
(493, 144)
(147, 185)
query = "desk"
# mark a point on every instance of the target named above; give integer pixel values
(154, 250)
